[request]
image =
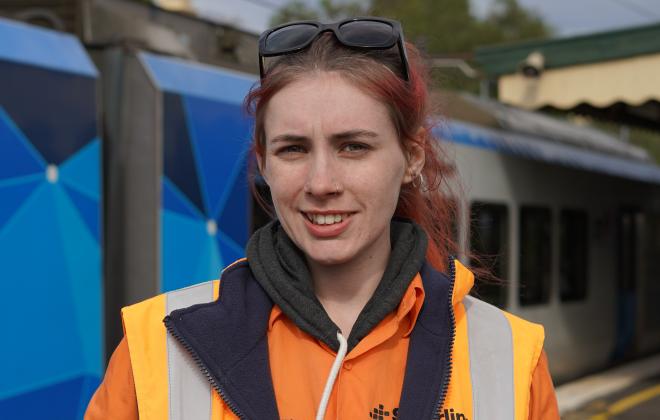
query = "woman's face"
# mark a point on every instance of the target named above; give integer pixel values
(335, 167)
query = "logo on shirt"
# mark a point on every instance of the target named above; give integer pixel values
(451, 415)
(379, 413)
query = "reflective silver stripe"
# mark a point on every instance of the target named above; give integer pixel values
(190, 391)
(491, 361)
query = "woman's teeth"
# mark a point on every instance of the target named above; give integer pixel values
(326, 219)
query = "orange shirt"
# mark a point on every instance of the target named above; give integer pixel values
(371, 376)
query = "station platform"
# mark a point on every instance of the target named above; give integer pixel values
(630, 391)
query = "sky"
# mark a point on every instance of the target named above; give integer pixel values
(567, 17)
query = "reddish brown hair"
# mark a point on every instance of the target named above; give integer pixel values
(378, 73)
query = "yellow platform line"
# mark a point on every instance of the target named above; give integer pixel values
(628, 402)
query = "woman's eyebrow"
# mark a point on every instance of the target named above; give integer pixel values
(288, 138)
(352, 134)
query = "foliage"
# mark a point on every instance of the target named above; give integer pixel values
(441, 28)
(438, 27)
(509, 22)
(294, 10)
(326, 10)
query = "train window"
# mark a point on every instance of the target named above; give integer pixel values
(535, 255)
(488, 241)
(573, 263)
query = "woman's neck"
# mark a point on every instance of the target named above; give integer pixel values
(344, 289)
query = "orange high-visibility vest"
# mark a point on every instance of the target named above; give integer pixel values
(493, 357)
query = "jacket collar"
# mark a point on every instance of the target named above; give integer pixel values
(236, 353)
(428, 365)
(464, 281)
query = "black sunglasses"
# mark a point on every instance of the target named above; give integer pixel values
(367, 33)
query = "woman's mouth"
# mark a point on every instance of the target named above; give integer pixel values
(326, 224)
(326, 219)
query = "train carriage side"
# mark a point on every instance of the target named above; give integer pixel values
(573, 229)
(51, 235)
(178, 197)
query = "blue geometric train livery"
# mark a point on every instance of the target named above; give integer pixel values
(50, 230)
(205, 213)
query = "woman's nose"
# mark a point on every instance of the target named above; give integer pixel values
(322, 177)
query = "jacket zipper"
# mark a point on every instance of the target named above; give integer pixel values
(452, 336)
(202, 366)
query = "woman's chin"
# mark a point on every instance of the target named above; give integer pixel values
(328, 257)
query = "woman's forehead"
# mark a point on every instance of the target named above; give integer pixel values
(325, 101)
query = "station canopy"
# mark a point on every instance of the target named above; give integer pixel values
(611, 75)
(489, 124)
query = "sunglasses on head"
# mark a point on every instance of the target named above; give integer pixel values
(365, 33)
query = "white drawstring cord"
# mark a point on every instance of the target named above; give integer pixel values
(332, 376)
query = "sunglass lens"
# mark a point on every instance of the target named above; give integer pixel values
(367, 33)
(290, 37)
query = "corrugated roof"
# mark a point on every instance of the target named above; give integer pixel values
(494, 114)
(562, 52)
(539, 149)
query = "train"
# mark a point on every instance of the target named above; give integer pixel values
(124, 174)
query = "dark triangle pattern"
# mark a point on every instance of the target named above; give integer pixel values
(179, 164)
(88, 209)
(17, 155)
(42, 102)
(220, 136)
(234, 215)
(174, 200)
(65, 400)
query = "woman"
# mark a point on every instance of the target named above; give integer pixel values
(348, 305)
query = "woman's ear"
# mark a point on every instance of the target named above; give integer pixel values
(415, 155)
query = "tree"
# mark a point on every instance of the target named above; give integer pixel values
(441, 28)
(446, 27)
(436, 26)
(294, 10)
(509, 22)
(327, 10)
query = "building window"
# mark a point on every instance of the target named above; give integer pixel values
(535, 255)
(573, 262)
(489, 243)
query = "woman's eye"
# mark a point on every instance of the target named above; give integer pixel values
(291, 149)
(355, 147)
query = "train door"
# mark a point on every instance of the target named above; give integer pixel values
(629, 226)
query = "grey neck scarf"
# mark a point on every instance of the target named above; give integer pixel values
(280, 268)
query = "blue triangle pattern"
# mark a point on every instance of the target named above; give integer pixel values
(82, 256)
(229, 251)
(220, 136)
(233, 219)
(35, 266)
(174, 200)
(210, 261)
(183, 241)
(178, 155)
(83, 170)
(12, 198)
(64, 398)
(17, 155)
(88, 209)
